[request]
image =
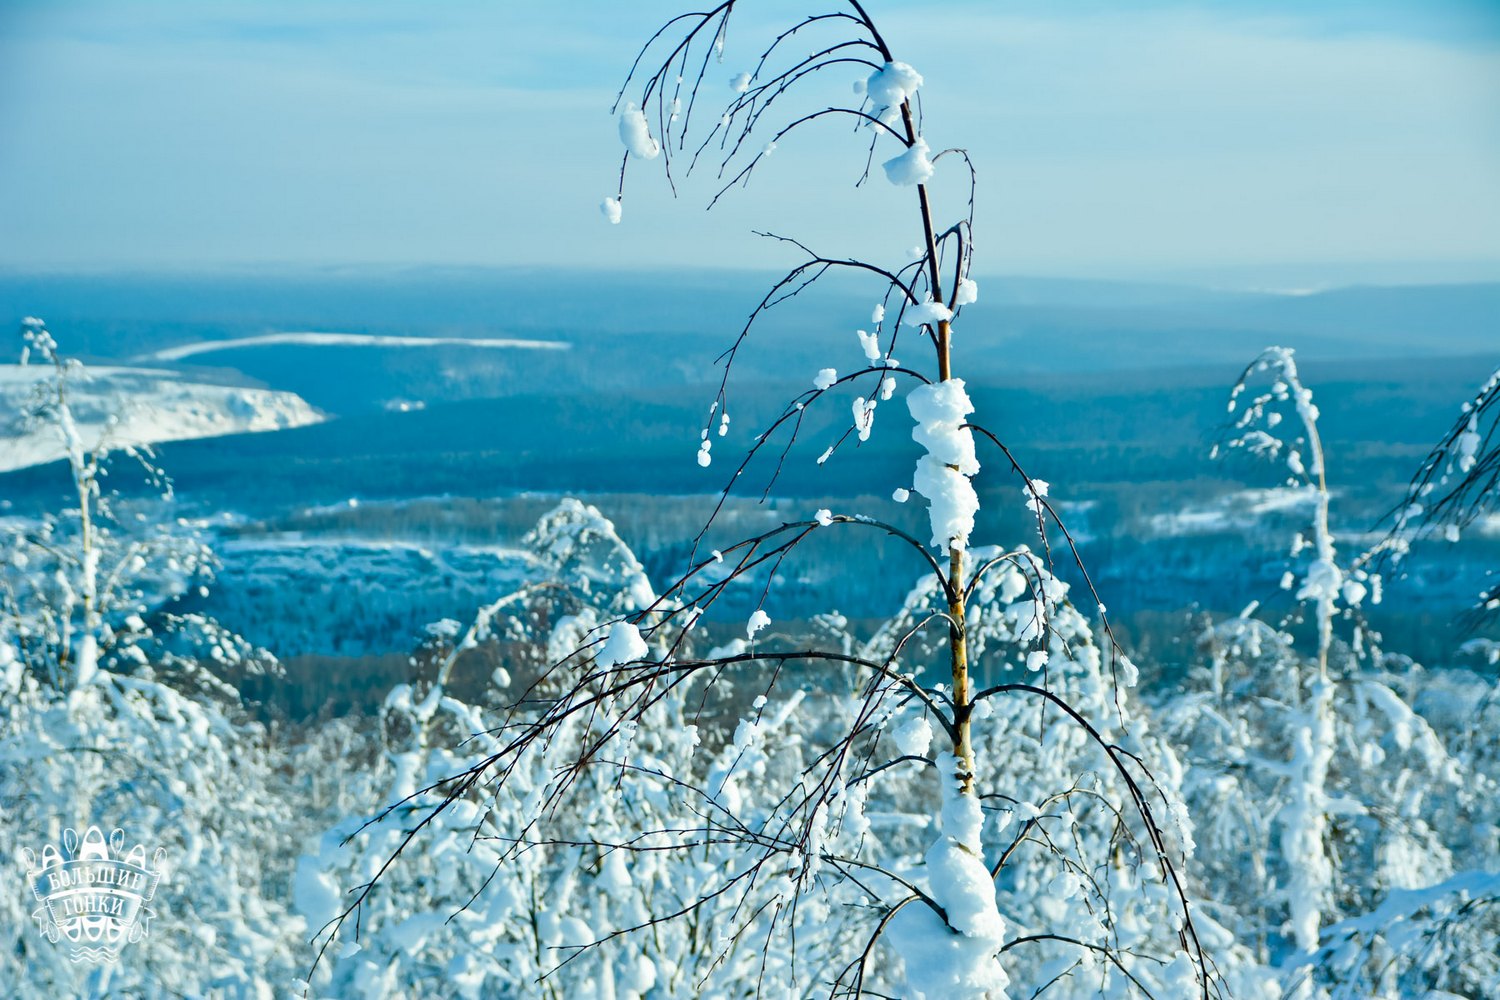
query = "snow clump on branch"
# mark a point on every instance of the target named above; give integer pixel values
(636, 135)
(888, 87)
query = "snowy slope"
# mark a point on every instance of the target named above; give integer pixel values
(150, 405)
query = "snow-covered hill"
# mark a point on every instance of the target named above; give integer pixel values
(132, 406)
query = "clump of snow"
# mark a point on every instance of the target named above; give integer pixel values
(914, 736)
(888, 87)
(624, 645)
(740, 83)
(870, 343)
(611, 209)
(636, 135)
(1035, 489)
(928, 313)
(864, 417)
(900, 495)
(968, 292)
(825, 378)
(1322, 582)
(759, 620)
(958, 959)
(824, 516)
(911, 167)
(878, 314)
(942, 475)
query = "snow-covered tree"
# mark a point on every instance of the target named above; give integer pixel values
(1459, 480)
(115, 715)
(775, 849)
(1318, 788)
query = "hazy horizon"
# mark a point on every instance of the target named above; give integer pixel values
(1259, 144)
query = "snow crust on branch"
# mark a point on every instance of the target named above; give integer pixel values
(942, 475)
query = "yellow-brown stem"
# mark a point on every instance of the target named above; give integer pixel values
(958, 642)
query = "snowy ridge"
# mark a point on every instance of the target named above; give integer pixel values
(148, 406)
(313, 339)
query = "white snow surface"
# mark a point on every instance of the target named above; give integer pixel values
(151, 406)
(317, 339)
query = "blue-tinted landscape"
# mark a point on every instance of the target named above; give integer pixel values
(945, 501)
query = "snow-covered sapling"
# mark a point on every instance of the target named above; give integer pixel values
(803, 847)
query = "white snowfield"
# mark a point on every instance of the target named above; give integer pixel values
(1235, 511)
(313, 339)
(151, 406)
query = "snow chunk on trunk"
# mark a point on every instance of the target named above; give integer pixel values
(959, 959)
(929, 313)
(912, 167)
(942, 475)
(636, 135)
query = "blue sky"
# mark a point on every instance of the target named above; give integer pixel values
(1292, 143)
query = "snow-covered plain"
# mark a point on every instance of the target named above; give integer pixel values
(147, 405)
